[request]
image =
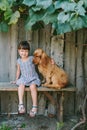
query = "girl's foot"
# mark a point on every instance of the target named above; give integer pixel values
(33, 111)
(21, 109)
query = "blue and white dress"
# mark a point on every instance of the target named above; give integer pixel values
(28, 74)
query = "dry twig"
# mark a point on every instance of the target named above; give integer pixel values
(83, 120)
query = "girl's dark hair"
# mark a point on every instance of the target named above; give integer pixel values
(24, 45)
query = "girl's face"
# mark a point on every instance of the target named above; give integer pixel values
(23, 53)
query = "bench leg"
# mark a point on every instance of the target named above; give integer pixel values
(60, 107)
(60, 104)
(49, 96)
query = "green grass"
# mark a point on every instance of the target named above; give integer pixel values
(5, 127)
(23, 125)
(59, 125)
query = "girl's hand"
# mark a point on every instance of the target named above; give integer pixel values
(13, 82)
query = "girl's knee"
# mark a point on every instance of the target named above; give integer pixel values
(33, 87)
(21, 86)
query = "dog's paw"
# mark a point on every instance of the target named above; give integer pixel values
(43, 81)
(45, 84)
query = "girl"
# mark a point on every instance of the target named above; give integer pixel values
(26, 76)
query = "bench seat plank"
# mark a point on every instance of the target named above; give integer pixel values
(7, 86)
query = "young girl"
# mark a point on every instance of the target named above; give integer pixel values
(26, 76)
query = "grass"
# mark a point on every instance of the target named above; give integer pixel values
(23, 125)
(5, 127)
(59, 125)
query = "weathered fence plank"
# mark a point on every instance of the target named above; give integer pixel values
(79, 72)
(9, 103)
(57, 46)
(4, 56)
(70, 56)
(13, 34)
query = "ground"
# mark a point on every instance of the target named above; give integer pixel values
(24, 122)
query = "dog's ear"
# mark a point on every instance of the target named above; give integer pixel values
(44, 59)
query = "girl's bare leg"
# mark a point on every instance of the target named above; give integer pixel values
(33, 90)
(21, 89)
(21, 109)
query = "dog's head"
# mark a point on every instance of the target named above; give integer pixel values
(40, 57)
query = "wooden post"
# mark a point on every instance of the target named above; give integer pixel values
(61, 107)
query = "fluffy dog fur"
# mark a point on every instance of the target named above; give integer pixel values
(54, 75)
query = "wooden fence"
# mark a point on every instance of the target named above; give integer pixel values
(69, 51)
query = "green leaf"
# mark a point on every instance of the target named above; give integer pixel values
(85, 21)
(29, 2)
(7, 14)
(36, 8)
(37, 16)
(80, 9)
(85, 3)
(33, 18)
(54, 25)
(14, 18)
(31, 12)
(5, 4)
(10, 2)
(44, 3)
(50, 9)
(49, 18)
(62, 17)
(29, 23)
(2, 6)
(65, 5)
(58, 4)
(77, 23)
(63, 28)
(3, 27)
(69, 7)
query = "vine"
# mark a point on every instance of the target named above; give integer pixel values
(63, 15)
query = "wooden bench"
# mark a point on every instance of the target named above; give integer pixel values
(6, 86)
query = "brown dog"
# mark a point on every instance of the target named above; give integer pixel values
(54, 75)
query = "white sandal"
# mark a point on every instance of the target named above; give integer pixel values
(21, 109)
(33, 111)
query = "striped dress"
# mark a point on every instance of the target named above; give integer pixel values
(28, 74)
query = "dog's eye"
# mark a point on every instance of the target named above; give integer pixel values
(38, 56)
